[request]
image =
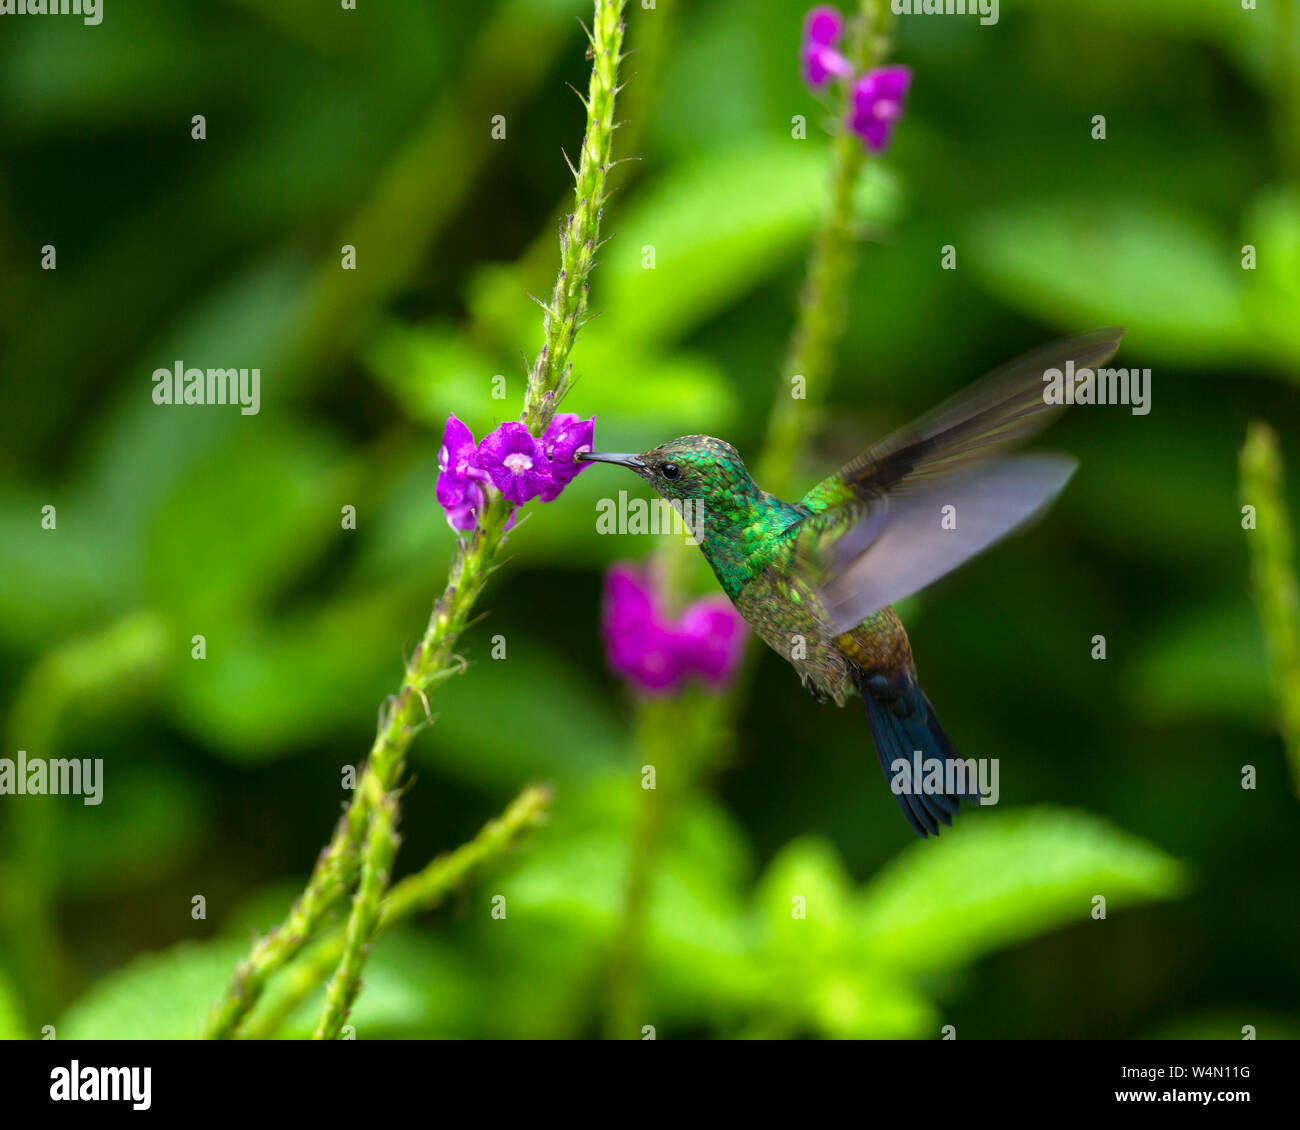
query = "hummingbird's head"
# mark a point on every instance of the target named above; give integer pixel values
(698, 468)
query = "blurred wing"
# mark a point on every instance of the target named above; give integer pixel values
(902, 541)
(981, 422)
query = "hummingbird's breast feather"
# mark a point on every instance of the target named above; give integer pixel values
(787, 615)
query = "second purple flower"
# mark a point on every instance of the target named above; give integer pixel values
(875, 98)
(657, 654)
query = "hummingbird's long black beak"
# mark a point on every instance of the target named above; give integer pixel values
(631, 462)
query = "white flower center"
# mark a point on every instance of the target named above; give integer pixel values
(518, 462)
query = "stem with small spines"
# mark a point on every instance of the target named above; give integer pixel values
(423, 891)
(355, 846)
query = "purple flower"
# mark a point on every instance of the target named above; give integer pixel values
(823, 24)
(656, 655)
(511, 460)
(463, 514)
(822, 28)
(878, 104)
(460, 479)
(638, 644)
(564, 438)
(514, 462)
(712, 639)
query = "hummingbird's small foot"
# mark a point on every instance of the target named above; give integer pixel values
(813, 689)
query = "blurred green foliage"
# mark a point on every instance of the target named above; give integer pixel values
(1120, 777)
(1273, 572)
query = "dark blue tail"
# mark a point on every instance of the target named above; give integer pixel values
(904, 727)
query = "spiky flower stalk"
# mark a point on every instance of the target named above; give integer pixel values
(423, 891)
(354, 845)
(377, 865)
(1273, 575)
(580, 238)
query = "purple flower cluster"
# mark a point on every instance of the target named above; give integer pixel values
(878, 104)
(822, 29)
(655, 654)
(877, 96)
(510, 460)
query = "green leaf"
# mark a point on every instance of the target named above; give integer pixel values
(574, 883)
(263, 690)
(814, 974)
(579, 863)
(244, 522)
(527, 716)
(1272, 226)
(101, 674)
(804, 900)
(56, 581)
(861, 1002)
(1171, 278)
(719, 228)
(153, 822)
(1001, 878)
(436, 371)
(635, 385)
(160, 996)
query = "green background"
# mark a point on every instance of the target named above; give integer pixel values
(1119, 777)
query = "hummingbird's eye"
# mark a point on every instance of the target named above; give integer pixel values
(670, 471)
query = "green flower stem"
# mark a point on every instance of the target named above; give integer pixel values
(819, 322)
(377, 865)
(427, 888)
(402, 716)
(655, 742)
(305, 976)
(1273, 575)
(684, 737)
(423, 891)
(653, 30)
(580, 238)
(434, 659)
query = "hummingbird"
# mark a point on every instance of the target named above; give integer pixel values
(816, 579)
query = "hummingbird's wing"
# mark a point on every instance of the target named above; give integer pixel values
(1003, 408)
(928, 498)
(903, 540)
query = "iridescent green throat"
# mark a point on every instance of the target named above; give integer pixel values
(742, 532)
